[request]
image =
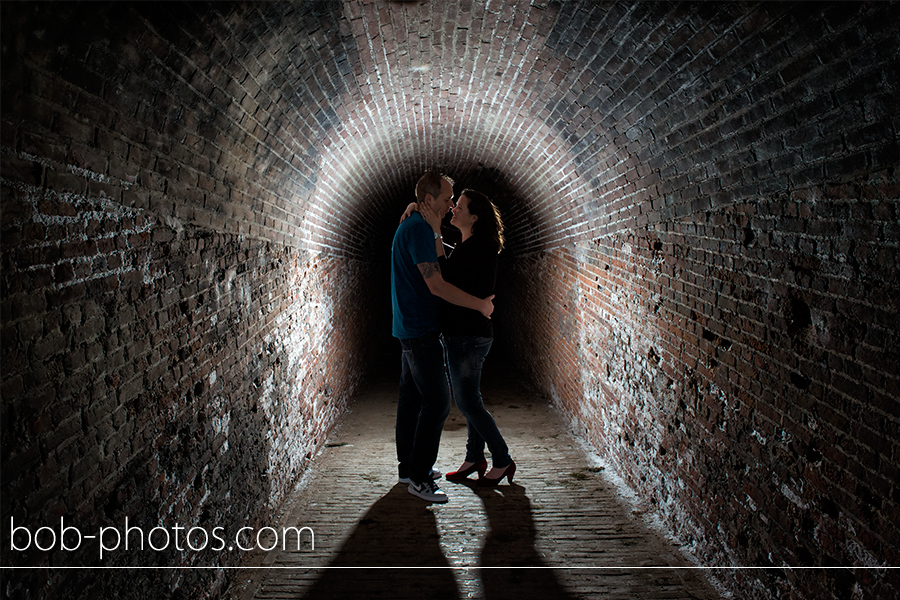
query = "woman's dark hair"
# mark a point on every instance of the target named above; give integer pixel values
(488, 221)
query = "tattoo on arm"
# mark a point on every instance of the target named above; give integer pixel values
(429, 269)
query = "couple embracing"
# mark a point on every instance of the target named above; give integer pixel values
(441, 315)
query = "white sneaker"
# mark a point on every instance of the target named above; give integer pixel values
(427, 491)
(435, 474)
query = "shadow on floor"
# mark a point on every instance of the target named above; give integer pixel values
(400, 531)
(511, 543)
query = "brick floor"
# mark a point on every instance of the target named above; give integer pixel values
(561, 514)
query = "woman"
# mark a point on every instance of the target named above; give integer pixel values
(472, 267)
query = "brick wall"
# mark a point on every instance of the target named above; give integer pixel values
(702, 208)
(741, 384)
(163, 373)
(172, 354)
(725, 335)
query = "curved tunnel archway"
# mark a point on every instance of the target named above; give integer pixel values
(702, 205)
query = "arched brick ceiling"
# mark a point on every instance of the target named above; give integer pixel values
(590, 116)
(391, 89)
(308, 123)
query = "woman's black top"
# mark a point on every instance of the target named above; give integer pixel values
(472, 267)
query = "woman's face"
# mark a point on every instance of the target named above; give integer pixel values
(462, 218)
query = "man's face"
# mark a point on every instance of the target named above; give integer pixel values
(444, 202)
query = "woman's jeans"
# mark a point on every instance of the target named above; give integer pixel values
(422, 407)
(465, 357)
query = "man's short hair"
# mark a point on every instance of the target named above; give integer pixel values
(430, 183)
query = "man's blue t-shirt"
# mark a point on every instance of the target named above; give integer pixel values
(416, 309)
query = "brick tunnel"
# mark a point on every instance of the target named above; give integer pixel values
(701, 203)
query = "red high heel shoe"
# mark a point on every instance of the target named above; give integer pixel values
(508, 472)
(463, 473)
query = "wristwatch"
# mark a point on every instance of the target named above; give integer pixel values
(436, 235)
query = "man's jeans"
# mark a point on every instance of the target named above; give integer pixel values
(465, 357)
(422, 407)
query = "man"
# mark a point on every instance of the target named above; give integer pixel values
(416, 289)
